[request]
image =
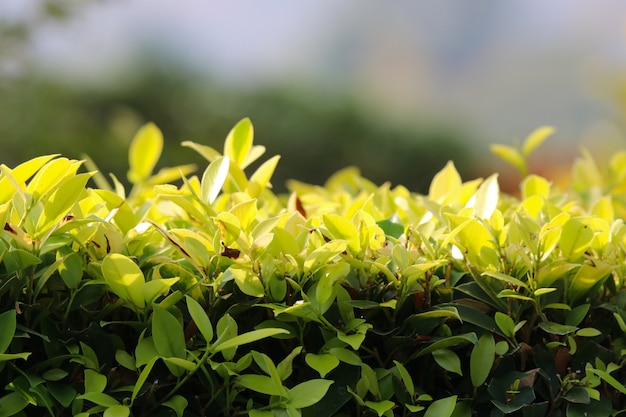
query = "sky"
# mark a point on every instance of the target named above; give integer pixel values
(499, 68)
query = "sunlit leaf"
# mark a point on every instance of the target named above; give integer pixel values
(145, 151)
(510, 155)
(446, 182)
(213, 179)
(536, 138)
(125, 278)
(486, 198)
(239, 142)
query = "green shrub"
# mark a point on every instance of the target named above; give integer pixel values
(218, 297)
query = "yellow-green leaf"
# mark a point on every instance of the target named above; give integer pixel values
(61, 200)
(124, 278)
(261, 177)
(486, 198)
(213, 179)
(510, 155)
(144, 153)
(536, 138)
(576, 237)
(239, 142)
(445, 184)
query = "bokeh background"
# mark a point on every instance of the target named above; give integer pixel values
(395, 88)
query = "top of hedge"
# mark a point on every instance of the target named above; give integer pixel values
(218, 297)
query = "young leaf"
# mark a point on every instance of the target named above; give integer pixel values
(481, 359)
(251, 336)
(213, 179)
(486, 198)
(510, 155)
(262, 176)
(239, 142)
(124, 278)
(536, 138)
(145, 151)
(61, 201)
(445, 184)
(576, 237)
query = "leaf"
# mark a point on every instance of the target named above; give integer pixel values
(308, 393)
(124, 278)
(481, 359)
(506, 324)
(576, 237)
(239, 142)
(534, 185)
(206, 152)
(577, 315)
(261, 177)
(117, 411)
(200, 318)
(448, 360)
(556, 328)
(249, 337)
(157, 287)
(486, 198)
(505, 278)
(94, 381)
(213, 179)
(447, 342)
(441, 408)
(536, 138)
(323, 363)
(61, 201)
(178, 403)
(247, 281)
(588, 277)
(324, 254)
(588, 332)
(342, 228)
(445, 183)
(285, 367)
(143, 376)
(168, 335)
(260, 383)
(380, 407)
(145, 151)
(8, 323)
(510, 155)
(71, 270)
(12, 403)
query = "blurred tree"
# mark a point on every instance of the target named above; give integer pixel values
(315, 135)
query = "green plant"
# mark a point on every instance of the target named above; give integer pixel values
(218, 297)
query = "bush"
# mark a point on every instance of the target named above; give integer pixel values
(218, 297)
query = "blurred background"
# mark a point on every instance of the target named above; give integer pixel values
(395, 88)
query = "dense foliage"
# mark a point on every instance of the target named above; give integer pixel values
(219, 297)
